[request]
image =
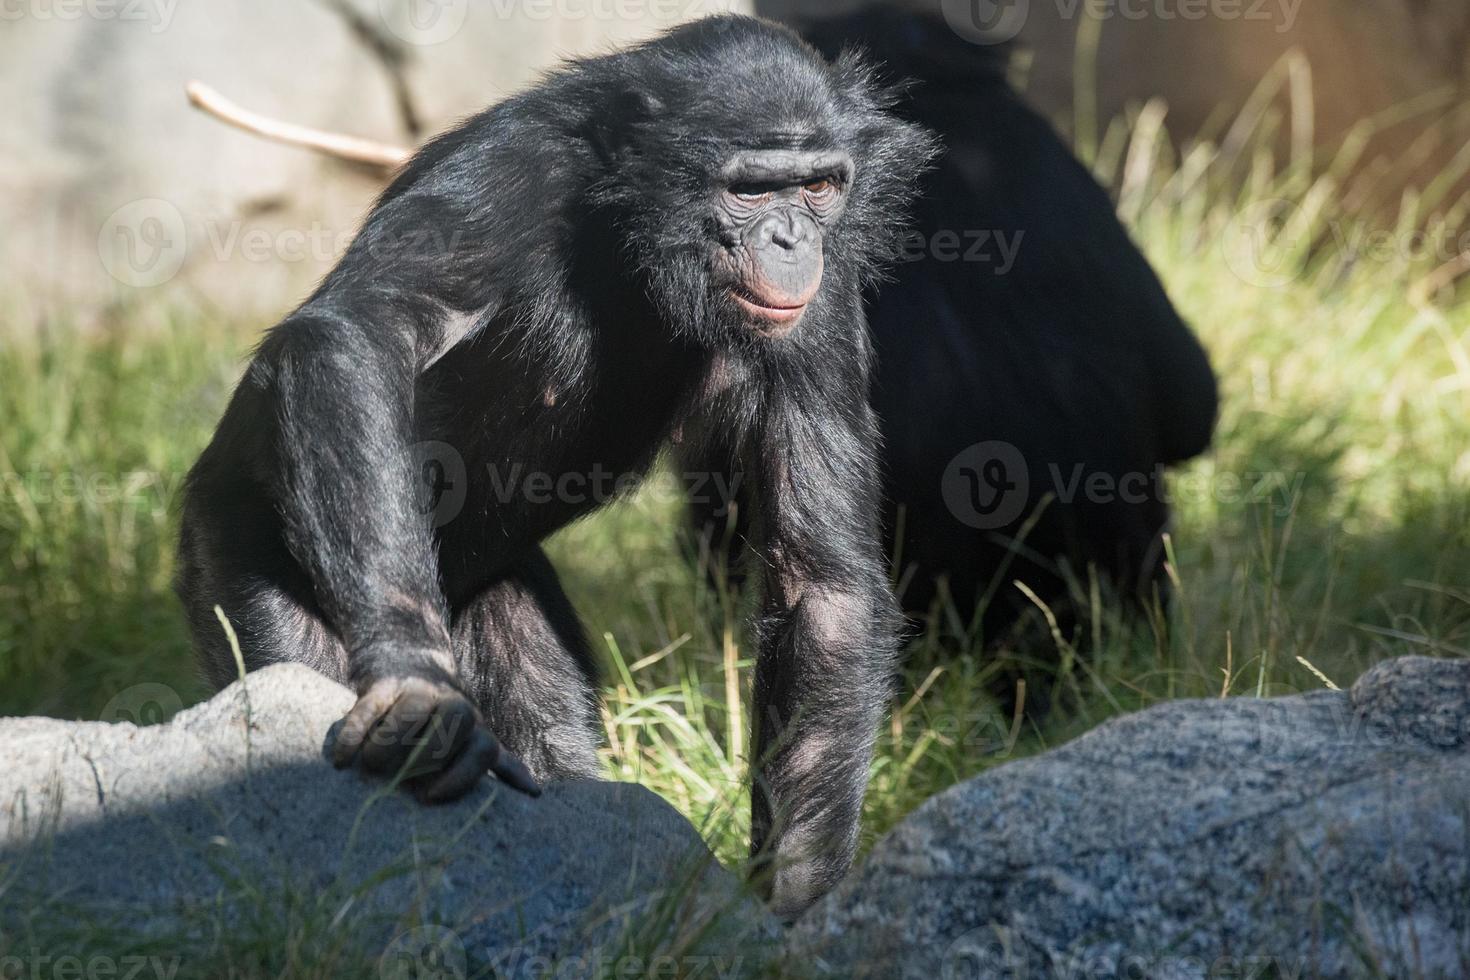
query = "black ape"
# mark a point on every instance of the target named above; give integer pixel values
(669, 242)
(1024, 320)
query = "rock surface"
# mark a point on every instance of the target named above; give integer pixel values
(1321, 835)
(1325, 834)
(233, 802)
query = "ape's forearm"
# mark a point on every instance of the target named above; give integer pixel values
(345, 487)
(820, 690)
(829, 639)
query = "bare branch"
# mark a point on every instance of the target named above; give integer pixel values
(382, 156)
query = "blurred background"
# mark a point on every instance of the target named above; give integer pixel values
(97, 122)
(1294, 169)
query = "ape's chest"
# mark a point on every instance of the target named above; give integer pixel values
(544, 441)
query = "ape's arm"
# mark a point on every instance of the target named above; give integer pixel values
(335, 388)
(828, 638)
(340, 385)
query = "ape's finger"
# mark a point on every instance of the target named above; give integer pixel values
(442, 738)
(509, 769)
(356, 725)
(467, 770)
(390, 742)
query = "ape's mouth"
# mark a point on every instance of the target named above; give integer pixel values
(778, 319)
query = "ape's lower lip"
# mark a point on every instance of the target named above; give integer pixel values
(775, 314)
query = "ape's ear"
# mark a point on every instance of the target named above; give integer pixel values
(618, 119)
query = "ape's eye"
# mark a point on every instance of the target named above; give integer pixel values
(747, 195)
(821, 192)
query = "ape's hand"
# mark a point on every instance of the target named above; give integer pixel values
(429, 733)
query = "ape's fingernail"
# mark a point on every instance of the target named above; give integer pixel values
(514, 773)
(342, 756)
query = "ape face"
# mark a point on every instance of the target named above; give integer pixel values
(752, 196)
(773, 211)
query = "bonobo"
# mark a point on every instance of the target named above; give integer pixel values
(665, 244)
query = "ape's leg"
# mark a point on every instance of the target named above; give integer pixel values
(247, 572)
(232, 555)
(526, 663)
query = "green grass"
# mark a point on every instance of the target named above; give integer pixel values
(1346, 377)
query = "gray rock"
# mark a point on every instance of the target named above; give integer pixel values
(232, 807)
(1325, 834)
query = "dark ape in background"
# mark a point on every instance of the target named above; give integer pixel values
(669, 243)
(1024, 320)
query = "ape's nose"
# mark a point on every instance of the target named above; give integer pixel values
(786, 247)
(785, 229)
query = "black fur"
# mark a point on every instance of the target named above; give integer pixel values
(533, 295)
(1073, 354)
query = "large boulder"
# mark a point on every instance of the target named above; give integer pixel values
(230, 815)
(1320, 835)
